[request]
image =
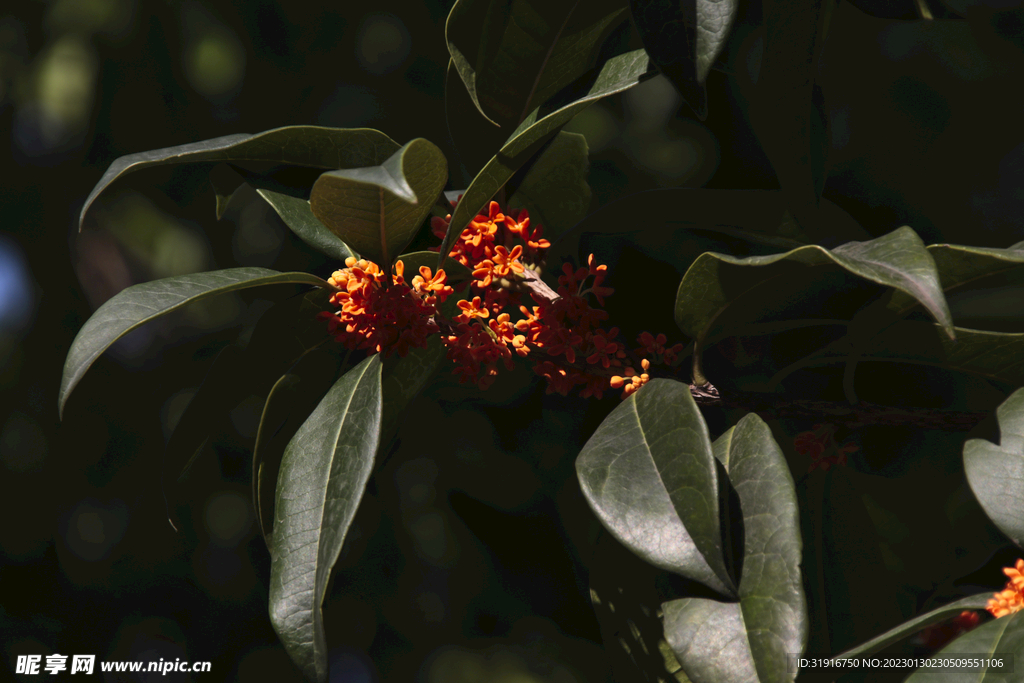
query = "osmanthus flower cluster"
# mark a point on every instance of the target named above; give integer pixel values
(1011, 598)
(506, 312)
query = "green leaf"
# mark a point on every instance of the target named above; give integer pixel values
(1001, 638)
(555, 190)
(289, 402)
(276, 410)
(474, 137)
(649, 475)
(311, 146)
(513, 55)
(961, 267)
(298, 216)
(217, 395)
(225, 182)
(617, 74)
(994, 355)
(715, 281)
(912, 626)
(784, 113)
(139, 304)
(281, 337)
(684, 39)
(749, 640)
(323, 476)
(996, 473)
(378, 210)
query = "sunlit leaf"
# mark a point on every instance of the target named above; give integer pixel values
(310, 146)
(684, 39)
(649, 475)
(617, 74)
(139, 304)
(377, 210)
(749, 640)
(299, 218)
(996, 473)
(322, 480)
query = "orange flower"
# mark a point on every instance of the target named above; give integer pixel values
(382, 319)
(631, 382)
(1011, 598)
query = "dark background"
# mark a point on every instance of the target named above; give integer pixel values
(459, 567)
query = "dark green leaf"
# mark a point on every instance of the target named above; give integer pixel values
(961, 267)
(377, 210)
(898, 260)
(617, 74)
(289, 402)
(514, 55)
(311, 146)
(853, 566)
(139, 304)
(749, 640)
(684, 39)
(649, 475)
(555, 189)
(323, 476)
(783, 110)
(219, 393)
(912, 626)
(993, 355)
(1002, 638)
(225, 182)
(299, 218)
(996, 473)
(474, 137)
(747, 222)
(276, 410)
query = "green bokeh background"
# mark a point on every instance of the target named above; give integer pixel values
(468, 561)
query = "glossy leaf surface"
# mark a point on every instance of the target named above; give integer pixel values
(649, 475)
(749, 640)
(139, 304)
(377, 210)
(323, 477)
(311, 146)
